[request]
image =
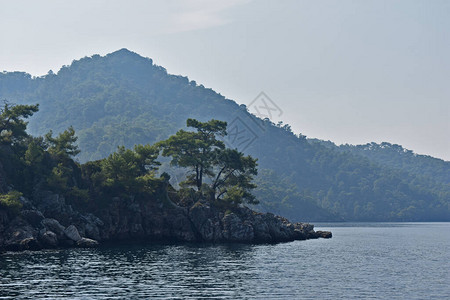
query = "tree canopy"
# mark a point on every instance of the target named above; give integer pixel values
(12, 123)
(229, 173)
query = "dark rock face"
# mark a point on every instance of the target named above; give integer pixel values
(34, 217)
(49, 239)
(144, 219)
(127, 219)
(246, 226)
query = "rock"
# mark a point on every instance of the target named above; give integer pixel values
(17, 234)
(306, 227)
(34, 217)
(278, 229)
(87, 243)
(137, 218)
(30, 244)
(299, 235)
(324, 234)
(49, 239)
(261, 229)
(234, 230)
(54, 205)
(180, 226)
(205, 222)
(71, 232)
(89, 225)
(54, 226)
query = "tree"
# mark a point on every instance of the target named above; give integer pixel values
(230, 173)
(130, 169)
(195, 150)
(63, 146)
(12, 124)
(234, 176)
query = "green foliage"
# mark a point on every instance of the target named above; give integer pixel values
(230, 173)
(63, 146)
(35, 153)
(125, 170)
(59, 178)
(234, 195)
(234, 176)
(11, 201)
(12, 124)
(195, 150)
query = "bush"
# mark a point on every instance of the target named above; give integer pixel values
(11, 201)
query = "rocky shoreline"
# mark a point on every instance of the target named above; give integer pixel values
(54, 224)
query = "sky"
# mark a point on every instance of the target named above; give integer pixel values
(346, 71)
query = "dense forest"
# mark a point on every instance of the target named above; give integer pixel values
(123, 99)
(32, 165)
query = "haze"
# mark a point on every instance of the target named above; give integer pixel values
(345, 71)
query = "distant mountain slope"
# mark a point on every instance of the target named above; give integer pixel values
(395, 156)
(124, 99)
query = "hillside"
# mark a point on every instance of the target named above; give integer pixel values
(124, 99)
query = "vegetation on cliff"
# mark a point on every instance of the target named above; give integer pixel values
(48, 200)
(32, 164)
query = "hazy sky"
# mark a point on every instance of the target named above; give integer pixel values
(345, 71)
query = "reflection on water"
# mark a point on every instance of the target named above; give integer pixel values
(410, 261)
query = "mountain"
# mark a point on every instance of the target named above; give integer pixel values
(124, 99)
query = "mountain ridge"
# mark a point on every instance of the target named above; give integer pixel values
(124, 99)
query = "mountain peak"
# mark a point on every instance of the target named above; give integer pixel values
(123, 52)
(125, 55)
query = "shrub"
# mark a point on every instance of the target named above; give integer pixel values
(11, 201)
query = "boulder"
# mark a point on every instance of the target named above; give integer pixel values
(87, 243)
(54, 226)
(71, 232)
(91, 225)
(49, 239)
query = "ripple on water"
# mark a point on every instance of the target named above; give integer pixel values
(379, 261)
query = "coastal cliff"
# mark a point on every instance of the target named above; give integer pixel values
(49, 200)
(52, 224)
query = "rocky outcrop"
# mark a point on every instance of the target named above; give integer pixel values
(53, 224)
(33, 229)
(246, 226)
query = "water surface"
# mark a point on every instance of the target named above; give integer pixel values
(362, 260)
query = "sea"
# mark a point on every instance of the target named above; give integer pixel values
(361, 261)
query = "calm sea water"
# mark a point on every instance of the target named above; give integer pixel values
(364, 261)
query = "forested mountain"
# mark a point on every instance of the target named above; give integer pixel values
(124, 99)
(395, 156)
